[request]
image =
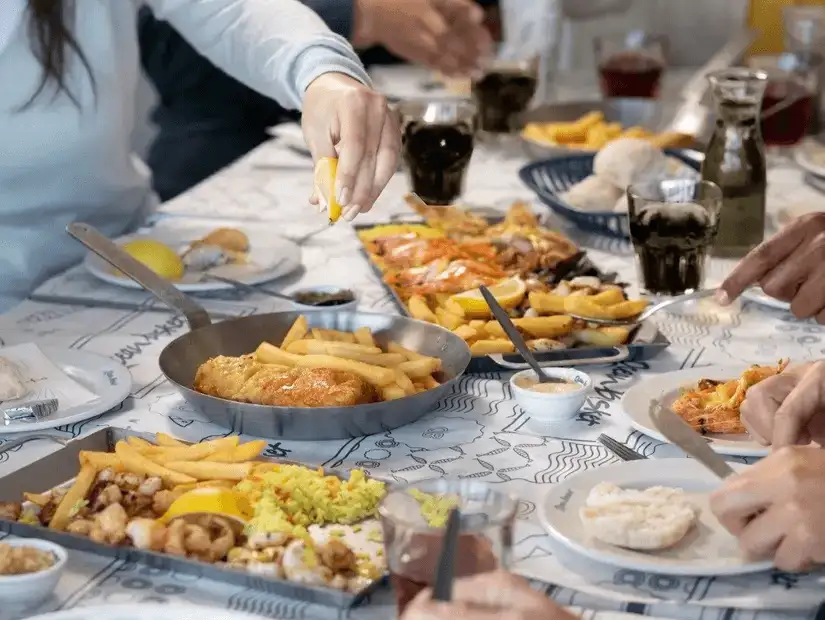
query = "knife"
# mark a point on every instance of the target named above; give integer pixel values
(679, 432)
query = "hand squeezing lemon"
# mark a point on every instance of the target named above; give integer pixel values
(325, 171)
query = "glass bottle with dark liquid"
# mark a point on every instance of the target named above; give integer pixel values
(437, 156)
(502, 93)
(630, 74)
(735, 160)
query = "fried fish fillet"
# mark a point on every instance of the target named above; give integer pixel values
(245, 380)
(713, 406)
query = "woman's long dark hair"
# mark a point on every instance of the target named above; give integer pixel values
(52, 43)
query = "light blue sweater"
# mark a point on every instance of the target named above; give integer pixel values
(60, 163)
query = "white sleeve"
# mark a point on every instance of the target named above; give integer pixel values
(277, 47)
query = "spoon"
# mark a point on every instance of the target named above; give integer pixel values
(648, 312)
(515, 337)
(344, 294)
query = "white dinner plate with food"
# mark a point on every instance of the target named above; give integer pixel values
(146, 611)
(103, 384)
(758, 296)
(264, 257)
(660, 509)
(667, 387)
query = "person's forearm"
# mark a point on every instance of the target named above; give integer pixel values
(277, 47)
(587, 9)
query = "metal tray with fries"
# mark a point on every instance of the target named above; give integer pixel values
(643, 342)
(49, 473)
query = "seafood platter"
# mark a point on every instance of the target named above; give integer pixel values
(213, 509)
(434, 270)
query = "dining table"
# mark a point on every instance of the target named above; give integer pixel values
(477, 432)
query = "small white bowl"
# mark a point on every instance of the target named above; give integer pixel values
(550, 408)
(24, 591)
(348, 306)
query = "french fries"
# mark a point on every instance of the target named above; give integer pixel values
(296, 332)
(394, 370)
(207, 470)
(419, 309)
(163, 439)
(74, 496)
(135, 462)
(593, 132)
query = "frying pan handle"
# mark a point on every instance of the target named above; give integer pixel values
(165, 291)
(621, 354)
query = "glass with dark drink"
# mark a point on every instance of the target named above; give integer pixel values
(414, 517)
(502, 92)
(632, 66)
(673, 224)
(438, 142)
(788, 102)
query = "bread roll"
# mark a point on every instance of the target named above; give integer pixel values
(592, 194)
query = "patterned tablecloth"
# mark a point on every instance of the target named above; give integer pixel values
(476, 432)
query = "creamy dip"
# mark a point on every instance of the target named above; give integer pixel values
(532, 384)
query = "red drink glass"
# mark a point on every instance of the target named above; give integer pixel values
(631, 67)
(413, 518)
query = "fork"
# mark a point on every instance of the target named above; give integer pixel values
(11, 445)
(619, 449)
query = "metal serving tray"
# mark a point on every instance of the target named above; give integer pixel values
(645, 342)
(50, 472)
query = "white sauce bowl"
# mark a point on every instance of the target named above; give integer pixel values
(25, 591)
(547, 408)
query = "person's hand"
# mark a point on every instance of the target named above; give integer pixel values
(445, 35)
(343, 118)
(789, 266)
(491, 596)
(775, 508)
(789, 408)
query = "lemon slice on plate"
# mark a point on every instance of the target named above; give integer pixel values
(508, 293)
(325, 171)
(214, 501)
(157, 256)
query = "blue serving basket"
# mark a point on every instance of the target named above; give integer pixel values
(551, 177)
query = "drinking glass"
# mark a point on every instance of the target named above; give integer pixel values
(631, 66)
(673, 224)
(413, 518)
(790, 92)
(804, 28)
(503, 91)
(438, 140)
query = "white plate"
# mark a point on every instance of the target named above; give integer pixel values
(758, 296)
(142, 611)
(271, 257)
(708, 550)
(666, 387)
(101, 375)
(810, 155)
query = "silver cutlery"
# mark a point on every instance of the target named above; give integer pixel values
(246, 288)
(679, 433)
(515, 337)
(620, 450)
(650, 311)
(11, 445)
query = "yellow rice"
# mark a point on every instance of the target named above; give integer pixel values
(289, 498)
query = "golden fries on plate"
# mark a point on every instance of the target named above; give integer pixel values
(592, 132)
(395, 371)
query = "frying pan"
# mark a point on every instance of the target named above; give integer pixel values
(180, 359)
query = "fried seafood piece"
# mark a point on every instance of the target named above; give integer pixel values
(713, 406)
(230, 239)
(306, 387)
(224, 376)
(10, 511)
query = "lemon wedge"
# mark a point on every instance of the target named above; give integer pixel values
(325, 171)
(210, 501)
(157, 256)
(508, 293)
